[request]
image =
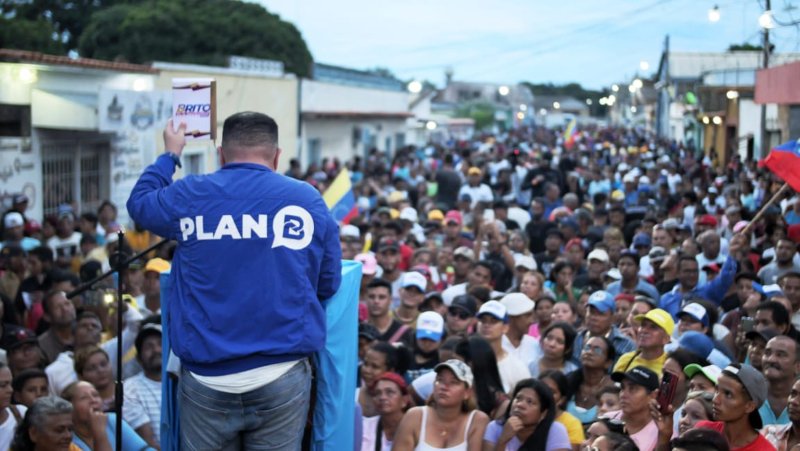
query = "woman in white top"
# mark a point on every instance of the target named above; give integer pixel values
(450, 421)
(391, 401)
(10, 415)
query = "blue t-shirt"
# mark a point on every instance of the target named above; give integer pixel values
(557, 438)
(130, 439)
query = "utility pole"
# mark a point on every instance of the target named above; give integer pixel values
(764, 140)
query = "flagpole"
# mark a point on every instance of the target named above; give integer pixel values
(775, 197)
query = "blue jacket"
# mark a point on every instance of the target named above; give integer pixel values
(257, 252)
(713, 291)
(614, 288)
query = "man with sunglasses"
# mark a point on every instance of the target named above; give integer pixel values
(460, 319)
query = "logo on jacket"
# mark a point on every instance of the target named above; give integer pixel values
(292, 228)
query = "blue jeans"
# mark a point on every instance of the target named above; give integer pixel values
(271, 417)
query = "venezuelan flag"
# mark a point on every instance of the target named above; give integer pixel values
(340, 199)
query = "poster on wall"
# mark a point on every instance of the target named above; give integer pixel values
(20, 173)
(136, 119)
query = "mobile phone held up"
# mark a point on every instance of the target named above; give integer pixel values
(748, 324)
(666, 391)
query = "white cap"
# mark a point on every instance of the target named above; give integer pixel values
(409, 214)
(414, 279)
(495, 309)
(13, 219)
(350, 231)
(526, 261)
(517, 304)
(614, 274)
(644, 180)
(598, 254)
(430, 325)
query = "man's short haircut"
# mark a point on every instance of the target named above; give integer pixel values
(24, 376)
(249, 129)
(780, 315)
(88, 314)
(43, 253)
(488, 264)
(379, 283)
(686, 258)
(89, 216)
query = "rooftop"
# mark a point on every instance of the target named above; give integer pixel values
(25, 56)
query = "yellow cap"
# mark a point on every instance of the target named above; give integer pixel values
(474, 171)
(617, 195)
(435, 215)
(396, 196)
(662, 318)
(394, 213)
(158, 265)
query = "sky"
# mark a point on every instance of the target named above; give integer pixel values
(592, 42)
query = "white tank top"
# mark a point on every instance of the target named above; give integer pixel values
(422, 446)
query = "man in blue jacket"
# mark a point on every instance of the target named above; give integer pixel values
(688, 276)
(257, 252)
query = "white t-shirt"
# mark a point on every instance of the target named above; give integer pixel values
(9, 426)
(480, 193)
(524, 352)
(65, 247)
(512, 370)
(246, 381)
(370, 429)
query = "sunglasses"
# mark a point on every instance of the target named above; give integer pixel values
(460, 314)
(596, 350)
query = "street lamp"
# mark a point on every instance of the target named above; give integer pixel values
(520, 115)
(637, 83)
(633, 109)
(732, 94)
(631, 88)
(430, 125)
(706, 120)
(615, 87)
(523, 107)
(713, 14)
(503, 90)
(603, 101)
(644, 65)
(588, 101)
(717, 120)
(556, 105)
(415, 87)
(765, 20)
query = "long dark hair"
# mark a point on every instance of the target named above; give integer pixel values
(561, 382)
(538, 440)
(569, 336)
(478, 354)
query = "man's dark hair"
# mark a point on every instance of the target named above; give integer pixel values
(249, 129)
(91, 217)
(686, 258)
(88, 314)
(377, 282)
(780, 316)
(43, 253)
(700, 439)
(490, 266)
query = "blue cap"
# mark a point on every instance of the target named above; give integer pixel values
(641, 239)
(697, 343)
(603, 301)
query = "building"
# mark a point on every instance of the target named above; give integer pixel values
(779, 87)
(347, 112)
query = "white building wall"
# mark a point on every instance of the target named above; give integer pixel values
(319, 96)
(336, 138)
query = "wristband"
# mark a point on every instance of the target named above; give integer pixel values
(175, 158)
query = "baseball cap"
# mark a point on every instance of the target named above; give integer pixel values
(754, 384)
(641, 240)
(13, 219)
(517, 304)
(670, 224)
(474, 171)
(388, 244)
(465, 252)
(639, 375)
(525, 261)
(409, 214)
(19, 198)
(613, 273)
(396, 196)
(65, 211)
(598, 254)
(697, 343)
(435, 215)
(662, 318)
(454, 215)
(713, 190)
(144, 332)
(657, 254)
(350, 231)
(630, 253)
(495, 309)
(368, 331)
(368, 262)
(602, 301)
(707, 220)
(711, 267)
(764, 334)
(646, 299)
(430, 325)
(460, 369)
(14, 337)
(696, 311)
(414, 279)
(466, 303)
(711, 372)
(158, 265)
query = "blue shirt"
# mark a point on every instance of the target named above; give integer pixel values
(130, 439)
(768, 415)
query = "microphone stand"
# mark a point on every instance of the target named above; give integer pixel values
(120, 267)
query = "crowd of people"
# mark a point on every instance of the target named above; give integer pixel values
(525, 291)
(519, 291)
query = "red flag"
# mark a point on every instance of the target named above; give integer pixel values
(784, 161)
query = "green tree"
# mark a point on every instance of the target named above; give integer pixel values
(193, 31)
(24, 34)
(481, 112)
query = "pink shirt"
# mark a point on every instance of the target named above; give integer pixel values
(646, 439)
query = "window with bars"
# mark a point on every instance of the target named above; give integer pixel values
(74, 172)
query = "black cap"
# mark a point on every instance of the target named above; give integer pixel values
(766, 334)
(368, 331)
(639, 375)
(465, 302)
(15, 336)
(631, 254)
